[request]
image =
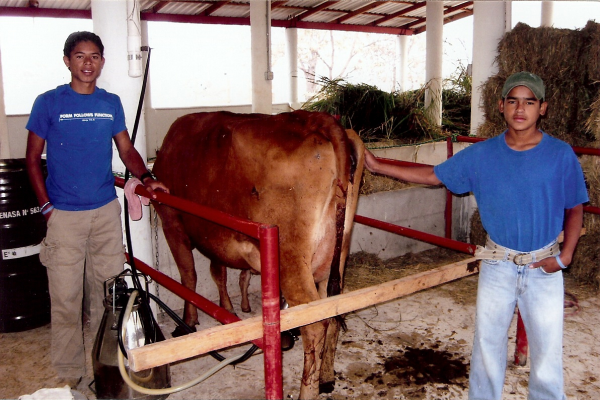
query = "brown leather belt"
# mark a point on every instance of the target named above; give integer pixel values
(493, 251)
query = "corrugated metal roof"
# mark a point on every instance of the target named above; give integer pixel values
(397, 17)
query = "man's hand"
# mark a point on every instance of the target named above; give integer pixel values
(152, 186)
(549, 265)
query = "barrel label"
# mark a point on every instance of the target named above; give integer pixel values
(9, 254)
(19, 213)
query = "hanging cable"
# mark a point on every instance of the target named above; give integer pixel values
(149, 324)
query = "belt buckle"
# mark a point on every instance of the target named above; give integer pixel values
(520, 255)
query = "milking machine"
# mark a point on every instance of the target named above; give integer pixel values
(111, 342)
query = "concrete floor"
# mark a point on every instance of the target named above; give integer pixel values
(437, 320)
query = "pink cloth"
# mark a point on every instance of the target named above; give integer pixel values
(134, 201)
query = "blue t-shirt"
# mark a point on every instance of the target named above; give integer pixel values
(521, 195)
(78, 130)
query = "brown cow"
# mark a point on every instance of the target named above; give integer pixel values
(299, 171)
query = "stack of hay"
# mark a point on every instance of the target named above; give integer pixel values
(569, 63)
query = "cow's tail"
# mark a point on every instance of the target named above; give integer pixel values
(350, 164)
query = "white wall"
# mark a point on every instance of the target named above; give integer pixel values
(158, 121)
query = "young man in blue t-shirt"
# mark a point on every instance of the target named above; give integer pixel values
(77, 123)
(529, 186)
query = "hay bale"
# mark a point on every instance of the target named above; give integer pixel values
(591, 50)
(586, 261)
(593, 121)
(373, 183)
(478, 235)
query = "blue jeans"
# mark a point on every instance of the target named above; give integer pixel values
(540, 298)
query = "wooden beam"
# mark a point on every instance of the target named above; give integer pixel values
(219, 337)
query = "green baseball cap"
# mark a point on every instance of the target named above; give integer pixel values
(527, 79)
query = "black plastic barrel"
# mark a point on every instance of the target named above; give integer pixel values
(24, 298)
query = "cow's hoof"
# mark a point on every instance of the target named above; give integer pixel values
(326, 387)
(246, 310)
(287, 340)
(180, 331)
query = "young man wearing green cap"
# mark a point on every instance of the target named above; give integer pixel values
(529, 187)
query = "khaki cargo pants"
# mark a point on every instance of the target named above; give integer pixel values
(79, 245)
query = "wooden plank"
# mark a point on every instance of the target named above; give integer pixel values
(219, 337)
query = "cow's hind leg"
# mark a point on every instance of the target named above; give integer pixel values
(313, 337)
(218, 271)
(327, 377)
(245, 276)
(298, 287)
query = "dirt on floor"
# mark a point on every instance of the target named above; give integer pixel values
(413, 348)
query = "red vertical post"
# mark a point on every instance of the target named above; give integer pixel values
(269, 277)
(448, 210)
(522, 342)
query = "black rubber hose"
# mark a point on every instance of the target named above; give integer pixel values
(175, 317)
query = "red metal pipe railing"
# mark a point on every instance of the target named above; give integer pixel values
(412, 233)
(522, 344)
(269, 258)
(399, 163)
(591, 209)
(245, 226)
(207, 306)
(269, 249)
(449, 197)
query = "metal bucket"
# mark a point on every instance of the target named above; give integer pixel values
(24, 298)
(108, 380)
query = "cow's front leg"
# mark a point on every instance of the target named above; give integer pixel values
(189, 279)
(181, 249)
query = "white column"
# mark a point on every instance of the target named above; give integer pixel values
(489, 22)
(291, 36)
(110, 23)
(260, 31)
(508, 16)
(4, 143)
(433, 62)
(547, 13)
(153, 135)
(402, 65)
